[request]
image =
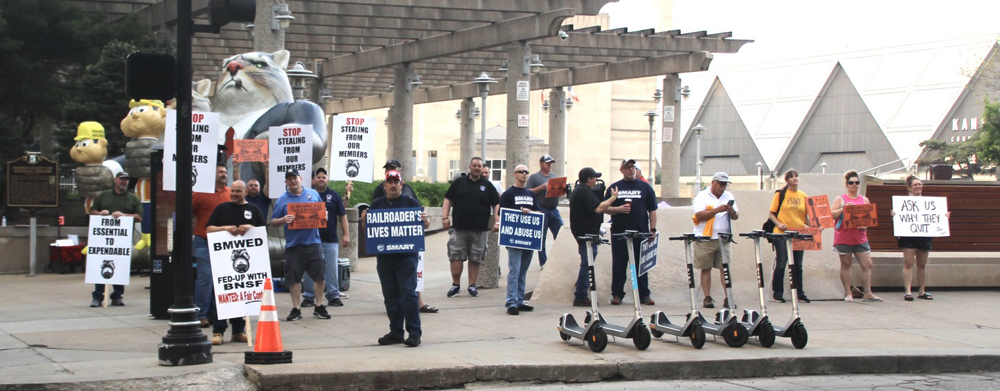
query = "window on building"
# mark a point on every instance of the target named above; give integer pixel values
(453, 169)
(497, 166)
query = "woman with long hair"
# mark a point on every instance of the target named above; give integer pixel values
(852, 241)
(915, 250)
(787, 214)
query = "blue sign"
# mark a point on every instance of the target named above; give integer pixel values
(647, 254)
(390, 231)
(521, 230)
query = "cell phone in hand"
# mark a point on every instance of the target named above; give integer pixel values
(731, 202)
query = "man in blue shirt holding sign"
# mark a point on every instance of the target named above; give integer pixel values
(518, 259)
(397, 272)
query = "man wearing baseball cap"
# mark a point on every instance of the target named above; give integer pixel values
(115, 202)
(335, 212)
(586, 214)
(303, 247)
(538, 183)
(635, 209)
(713, 215)
(393, 165)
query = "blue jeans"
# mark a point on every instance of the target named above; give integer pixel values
(553, 222)
(203, 286)
(518, 261)
(116, 292)
(398, 276)
(332, 278)
(583, 279)
(619, 267)
(778, 273)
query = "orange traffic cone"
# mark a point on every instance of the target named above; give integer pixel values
(267, 346)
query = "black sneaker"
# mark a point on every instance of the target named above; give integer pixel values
(582, 303)
(525, 308)
(308, 302)
(95, 303)
(389, 339)
(512, 311)
(294, 315)
(454, 290)
(615, 300)
(336, 303)
(320, 312)
(413, 341)
(803, 298)
(647, 301)
(117, 302)
(778, 299)
(725, 303)
(708, 303)
(473, 291)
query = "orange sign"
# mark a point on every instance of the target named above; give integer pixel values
(308, 215)
(818, 209)
(857, 216)
(250, 150)
(555, 187)
(809, 245)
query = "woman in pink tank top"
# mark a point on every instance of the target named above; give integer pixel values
(852, 241)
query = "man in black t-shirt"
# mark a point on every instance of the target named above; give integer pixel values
(635, 209)
(236, 217)
(475, 200)
(585, 217)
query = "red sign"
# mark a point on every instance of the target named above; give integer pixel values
(858, 216)
(818, 209)
(809, 245)
(307, 215)
(555, 187)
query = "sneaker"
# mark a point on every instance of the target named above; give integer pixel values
(203, 323)
(803, 298)
(95, 303)
(725, 303)
(454, 290)
(320, 312)
(708, 303)
(778, 299)
(473, 291)
(344, 296)
(525, 308)
(239, 337)
(412, 342)
(117, 302)
(615, 300)
(389, 339)
(647, 301)
(512, 311)
(582, 303)
(335, 303)
(308, 302)
(216, 339)
(294, 315)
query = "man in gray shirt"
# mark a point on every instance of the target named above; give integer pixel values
(537, 183)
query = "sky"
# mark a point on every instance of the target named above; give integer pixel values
(784, 29)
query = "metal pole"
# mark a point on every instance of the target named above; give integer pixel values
(651, 176)
(33, 242)
(482, 137)
(697, 180)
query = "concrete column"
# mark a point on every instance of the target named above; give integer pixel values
(467, 140)
(264, 39)
(517, 137)
(557, 130)
(402, 121)
(388, 132)
(670, 171)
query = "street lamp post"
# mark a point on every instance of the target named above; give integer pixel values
(651, 177)
(760, 176)
(697, 181)
(484, 80)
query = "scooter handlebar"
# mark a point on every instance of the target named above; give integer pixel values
(633, 234)
(691, 237)
(755, 234)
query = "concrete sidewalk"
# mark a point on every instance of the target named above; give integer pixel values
(49, 337)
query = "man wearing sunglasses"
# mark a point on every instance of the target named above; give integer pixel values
(715, 208)
(518, 260)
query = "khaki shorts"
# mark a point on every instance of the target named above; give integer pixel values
(467, 245)
(707, 255)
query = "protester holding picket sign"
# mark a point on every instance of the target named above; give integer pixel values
(236, 217)
(852, 241)
(115, 202)
(303, 249)
(518, 259)
(915, 250)
(788, 211)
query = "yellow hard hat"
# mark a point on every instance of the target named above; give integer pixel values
(89, 130)
(145, 102)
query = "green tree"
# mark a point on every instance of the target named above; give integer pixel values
(988, 143)
(962, 154)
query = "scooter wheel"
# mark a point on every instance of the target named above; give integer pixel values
(562, 335)
(799, 336)
(697, 336)
(656, 333)
(640, 337)
(766, 337)
(597, 340)
(735, 335)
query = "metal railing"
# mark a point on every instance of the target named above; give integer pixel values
(875, 169)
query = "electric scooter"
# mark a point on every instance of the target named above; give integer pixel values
(591, 332)
(794, 329)
(636, 329)
(757, 323)
(659, 324)
(726, 324)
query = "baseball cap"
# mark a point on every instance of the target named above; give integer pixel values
(122, 174)
(320, 170)
(547, 159)
(392, 163)
(393, 174)
(587, 173)
(627, 161)
(291, 172)
(721, 177)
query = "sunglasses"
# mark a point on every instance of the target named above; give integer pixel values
(853, 182)
(522, 172)
(723, 184)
